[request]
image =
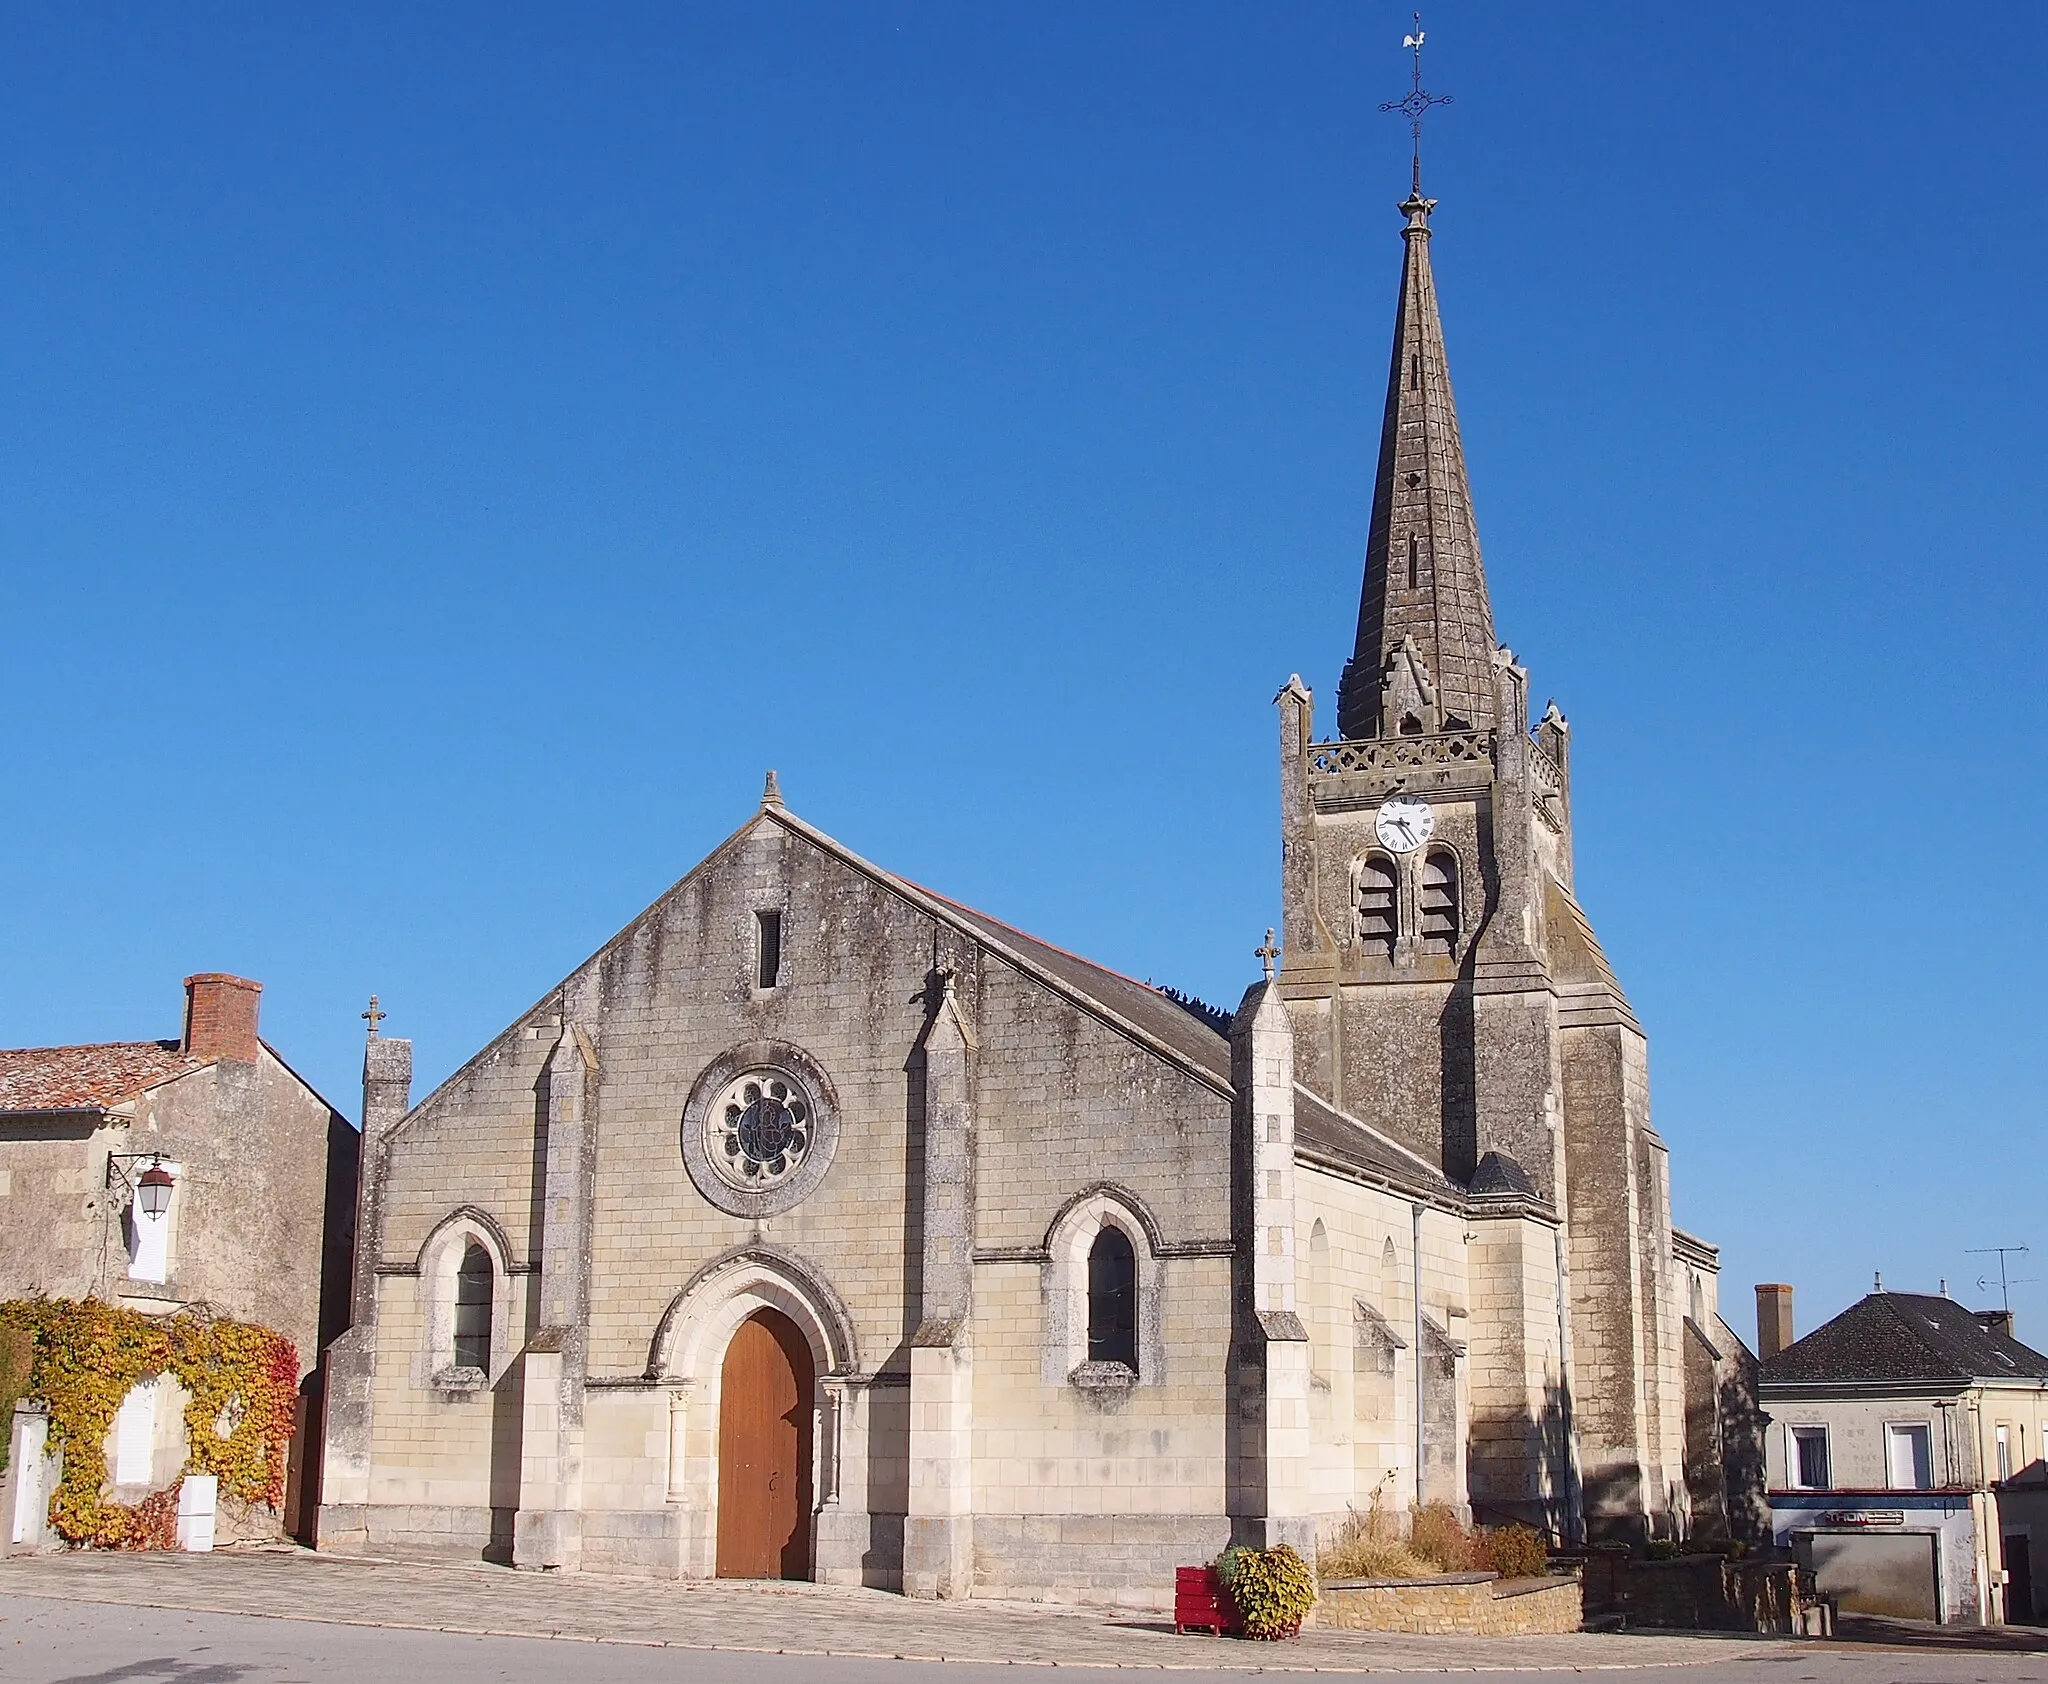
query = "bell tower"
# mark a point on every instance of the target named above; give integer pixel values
(1444, 987)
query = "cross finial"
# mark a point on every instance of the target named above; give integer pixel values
(1413, 105)
(1268, 954)
(374, 1017)
(771, 791)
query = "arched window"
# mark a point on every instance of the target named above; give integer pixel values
(1378, 923)
(1113, 1299)
(473, 1310)
(1439, 903)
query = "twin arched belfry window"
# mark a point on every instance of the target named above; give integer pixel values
(1379, 911)
(1113, 1299)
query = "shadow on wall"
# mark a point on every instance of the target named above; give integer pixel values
(1521, 1469)
(1456, 1053)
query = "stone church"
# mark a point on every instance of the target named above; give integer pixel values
(820, 1226)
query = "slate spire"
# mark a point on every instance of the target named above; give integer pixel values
(1424, 656)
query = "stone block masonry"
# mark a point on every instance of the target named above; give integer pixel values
(1460, 1605)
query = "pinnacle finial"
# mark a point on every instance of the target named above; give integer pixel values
(374, 1016)
(771, 791)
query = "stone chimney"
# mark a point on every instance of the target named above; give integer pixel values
(1995, 1321)
(1773, 1320)
(220, 1016)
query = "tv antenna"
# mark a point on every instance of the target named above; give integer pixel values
(2005, 1286)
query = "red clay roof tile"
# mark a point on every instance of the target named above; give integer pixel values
(86, 1078)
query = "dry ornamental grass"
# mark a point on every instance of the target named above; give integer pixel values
(1371, 1545)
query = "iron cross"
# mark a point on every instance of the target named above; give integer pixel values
(1416, 102)
(374, 1017)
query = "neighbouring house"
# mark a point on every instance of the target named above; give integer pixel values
(818, 1225)
(1905, 1454)
(201, 1171)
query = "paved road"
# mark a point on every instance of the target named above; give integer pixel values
(47, 1641)
(229, 1618)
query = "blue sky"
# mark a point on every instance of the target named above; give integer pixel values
(446, 454)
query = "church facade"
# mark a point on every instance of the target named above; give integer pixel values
(818, 1226)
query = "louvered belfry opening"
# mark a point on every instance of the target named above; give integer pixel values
(1439, 902)
(1378, 921)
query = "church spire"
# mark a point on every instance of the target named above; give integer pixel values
(1424, 656)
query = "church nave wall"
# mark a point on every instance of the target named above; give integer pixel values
(1358, 1304)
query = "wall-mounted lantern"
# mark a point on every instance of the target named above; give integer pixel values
(151, 1190)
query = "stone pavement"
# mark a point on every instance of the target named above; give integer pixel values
(790, 1619)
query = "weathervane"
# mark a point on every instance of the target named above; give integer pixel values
(1416, 103)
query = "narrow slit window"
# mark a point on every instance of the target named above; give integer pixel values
(1113, 1299)
(1412, 549)
(473, 1310)
(767, 948)
(1415, 372)
(1439, 904)
(1377, 924)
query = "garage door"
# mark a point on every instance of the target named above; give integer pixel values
(1875, 1573)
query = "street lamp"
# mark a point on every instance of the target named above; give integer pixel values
(153, 1189)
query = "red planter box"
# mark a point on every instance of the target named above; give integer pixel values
(1200, 1603)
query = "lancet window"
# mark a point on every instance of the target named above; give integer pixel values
(473, 1310)
(1113, 1299)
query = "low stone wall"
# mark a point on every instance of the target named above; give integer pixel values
(1456, 1605)
(1700, 1593)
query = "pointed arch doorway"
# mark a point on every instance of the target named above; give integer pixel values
(765, 1424)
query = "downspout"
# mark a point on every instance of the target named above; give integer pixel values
(1421, 1351)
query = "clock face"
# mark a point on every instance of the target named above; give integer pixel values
(1404, 823)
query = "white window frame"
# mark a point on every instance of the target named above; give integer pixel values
(1896, 1431)
(2001, 1450)
(1794, 1474)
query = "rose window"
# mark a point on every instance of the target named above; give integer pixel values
(759, 1130)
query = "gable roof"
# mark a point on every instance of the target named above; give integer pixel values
(42, 1080)
(1906, 1336)
(1173, 1029)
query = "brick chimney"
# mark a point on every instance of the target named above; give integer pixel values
(1773, 1320)
(220, 1016)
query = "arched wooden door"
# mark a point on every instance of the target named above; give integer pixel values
(764, 1451)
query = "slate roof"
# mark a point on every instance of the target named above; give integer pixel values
(89, 1078)
(1499, 1176)
(1158, 1014)
(1905, 1336)
(1324, 1131)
